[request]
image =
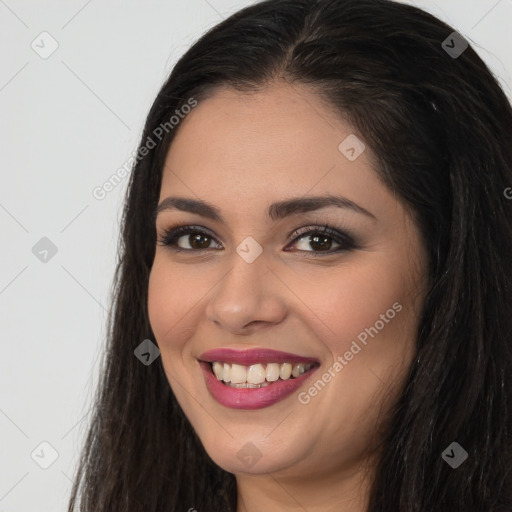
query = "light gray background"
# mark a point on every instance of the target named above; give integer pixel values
(68, 122)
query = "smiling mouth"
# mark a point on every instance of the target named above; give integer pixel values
(257, 375)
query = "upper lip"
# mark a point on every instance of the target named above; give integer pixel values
(247, 357)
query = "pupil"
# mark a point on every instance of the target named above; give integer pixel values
(315, 240)
(197, 238)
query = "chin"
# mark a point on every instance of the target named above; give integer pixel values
(252, 455)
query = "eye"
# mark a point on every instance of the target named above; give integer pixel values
(322, 239)
(194, 239)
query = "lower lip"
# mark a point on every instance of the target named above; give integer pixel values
(251, 398)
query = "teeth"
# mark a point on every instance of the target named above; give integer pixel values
(257, 375)
(218, 369)
(298, 369)
(285, 370)
(238, 373)
(272, 372)
(226, 373)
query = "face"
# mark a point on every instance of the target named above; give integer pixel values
(267, 277)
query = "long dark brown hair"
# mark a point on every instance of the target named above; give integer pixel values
(441, 128)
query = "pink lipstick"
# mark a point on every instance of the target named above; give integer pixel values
(239, 394)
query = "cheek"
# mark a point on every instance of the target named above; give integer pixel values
(371, 314)
(172, 295)
(353, 300)
(171, 298)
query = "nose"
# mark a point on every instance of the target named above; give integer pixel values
(247, 298)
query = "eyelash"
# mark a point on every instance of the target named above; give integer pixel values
(347, 243)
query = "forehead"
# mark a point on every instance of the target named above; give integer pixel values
(277, 125)
(280, 142)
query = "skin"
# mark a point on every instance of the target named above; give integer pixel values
(242, 152)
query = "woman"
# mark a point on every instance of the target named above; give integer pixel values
(369, 375)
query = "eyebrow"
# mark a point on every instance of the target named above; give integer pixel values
(276, 211)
